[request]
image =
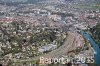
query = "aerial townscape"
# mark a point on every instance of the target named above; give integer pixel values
(49, 32)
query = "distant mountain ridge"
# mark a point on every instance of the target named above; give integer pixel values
(36, 1)
(13, 0)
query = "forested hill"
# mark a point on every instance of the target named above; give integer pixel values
(96, 33)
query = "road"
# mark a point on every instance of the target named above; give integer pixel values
(63, 50)
(68, 45)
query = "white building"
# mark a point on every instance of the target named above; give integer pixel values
(47, 47)
(55, 17)
(80, 26)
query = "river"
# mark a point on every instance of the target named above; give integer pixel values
(94, 45)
